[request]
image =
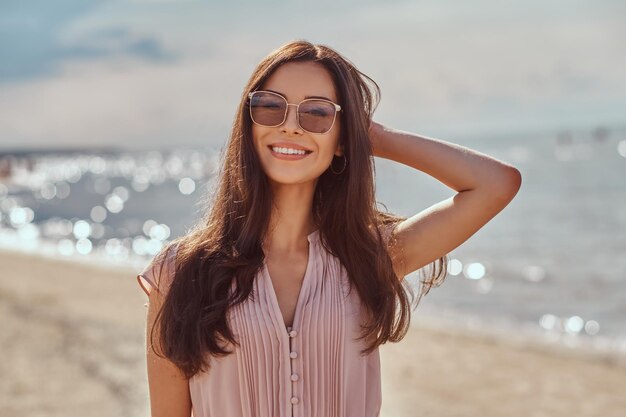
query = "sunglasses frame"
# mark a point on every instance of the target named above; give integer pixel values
(337, 110)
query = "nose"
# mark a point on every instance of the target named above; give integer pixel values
(291, 121)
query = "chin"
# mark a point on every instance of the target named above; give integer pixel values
(286, 180)
(290, 179)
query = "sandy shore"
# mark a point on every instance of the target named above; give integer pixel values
(72, 341)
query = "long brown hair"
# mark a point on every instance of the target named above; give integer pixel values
(226, 245)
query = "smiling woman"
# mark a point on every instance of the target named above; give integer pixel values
(277, 302)
(310, 125)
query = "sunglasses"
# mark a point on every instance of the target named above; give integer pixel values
(314, 115)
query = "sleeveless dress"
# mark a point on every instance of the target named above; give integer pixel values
(314, 369)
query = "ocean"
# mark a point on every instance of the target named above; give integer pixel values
(550, 268)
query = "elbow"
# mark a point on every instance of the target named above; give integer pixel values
(511, 182)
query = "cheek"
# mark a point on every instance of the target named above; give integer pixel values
(257, 134)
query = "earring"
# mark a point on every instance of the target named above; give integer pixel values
(345, 163)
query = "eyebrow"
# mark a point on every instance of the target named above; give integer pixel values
(305, 97)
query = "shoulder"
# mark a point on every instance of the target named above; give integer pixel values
(159, 273)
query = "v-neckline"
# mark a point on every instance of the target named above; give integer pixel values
(303, 286)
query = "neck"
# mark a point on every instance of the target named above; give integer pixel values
(291, 220)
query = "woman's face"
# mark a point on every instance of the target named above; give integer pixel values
(297, 81)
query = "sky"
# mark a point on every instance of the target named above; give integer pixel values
(150, 74)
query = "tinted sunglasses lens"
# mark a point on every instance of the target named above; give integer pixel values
(267, 109)
(316, 116)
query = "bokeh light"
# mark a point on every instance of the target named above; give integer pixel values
(187, 186)
(474, 270)
(455, 267)
(98, 214)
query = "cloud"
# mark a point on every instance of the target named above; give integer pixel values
(149, 74)
(32, 43)
(114, 43)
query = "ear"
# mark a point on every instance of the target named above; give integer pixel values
(339, 150)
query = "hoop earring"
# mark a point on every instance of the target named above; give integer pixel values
(345, 163)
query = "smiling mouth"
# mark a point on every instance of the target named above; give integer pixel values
(283, 150)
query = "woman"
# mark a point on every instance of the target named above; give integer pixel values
(276, 304)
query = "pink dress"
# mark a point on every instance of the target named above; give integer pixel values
(314, 369)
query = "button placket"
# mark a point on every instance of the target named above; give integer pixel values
(293, 355)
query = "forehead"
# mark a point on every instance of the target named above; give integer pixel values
(299, 80)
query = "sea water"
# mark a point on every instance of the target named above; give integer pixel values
(551, 267)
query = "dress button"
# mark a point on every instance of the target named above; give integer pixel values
(294, 400)
(294, 377)
(293, 355)
(293, 333)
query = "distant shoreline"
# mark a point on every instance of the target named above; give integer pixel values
(496, 134)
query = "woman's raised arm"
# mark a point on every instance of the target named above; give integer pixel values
(484, 187)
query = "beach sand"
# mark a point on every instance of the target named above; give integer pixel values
(72, 342)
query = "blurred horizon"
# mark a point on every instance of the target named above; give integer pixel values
(162, 74)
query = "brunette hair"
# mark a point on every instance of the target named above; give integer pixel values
(225, 247)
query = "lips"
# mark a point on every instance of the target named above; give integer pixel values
(289, 154)
(289, 145)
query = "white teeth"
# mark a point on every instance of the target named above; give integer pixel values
(288, 151)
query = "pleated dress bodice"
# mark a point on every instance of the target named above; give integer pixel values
(313, 368)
